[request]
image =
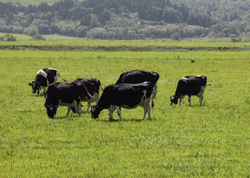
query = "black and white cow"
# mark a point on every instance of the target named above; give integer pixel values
(139, 76)
(65, 94)
(190, 85)
(44, 77)
(125, 95)
(93, 85)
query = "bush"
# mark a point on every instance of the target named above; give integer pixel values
(38, 37)
(236, 39)
(7, 37)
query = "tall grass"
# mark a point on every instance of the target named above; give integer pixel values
(199, 141)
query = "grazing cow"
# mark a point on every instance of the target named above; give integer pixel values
(65, 94)
(43, 78)
(93, 86)
(190, 85)
(139, 76)
(125, 95)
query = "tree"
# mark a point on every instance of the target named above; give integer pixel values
(175, 36)
(31, 30)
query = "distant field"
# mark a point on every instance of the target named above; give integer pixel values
(199, 141)
(55, 40)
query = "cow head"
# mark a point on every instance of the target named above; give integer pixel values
(35, 86)
(173, 99)
(51, 111)
(95, 111)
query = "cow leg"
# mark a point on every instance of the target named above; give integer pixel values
(189, 100)
(201, 94)
(147, 109)
(180, 101)
(149, 112)
(79, 109)
(69, 109)
(119, 113)
(201, 99)
(118, 108)
(89, 105)
(111, 110)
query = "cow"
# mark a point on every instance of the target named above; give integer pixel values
(190, 85)
(44, 77)
(125, 95)
(93, 85)
(139, 76)
(65, 94)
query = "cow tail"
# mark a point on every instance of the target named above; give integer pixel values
(89, 93)
(62, 78)
(102, 87)
(152, 102)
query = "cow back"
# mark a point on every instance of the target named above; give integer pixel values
(51, 74)
(138, 76)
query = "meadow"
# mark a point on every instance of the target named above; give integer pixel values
(180, 141)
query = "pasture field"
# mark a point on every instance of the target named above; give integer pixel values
(136, 43)
(59, 40)
(212, 140)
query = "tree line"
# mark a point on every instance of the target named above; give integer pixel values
(116, 19)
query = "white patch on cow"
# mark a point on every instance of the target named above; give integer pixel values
(42, 73)
(198, 75)
(144, 94)
(51, 108)
(183, 78)
(95, 96)
(128, 107)
(201, 92)
(55, 77)
(111, 110)
(90, 100)
(93, 110)
(73, 104)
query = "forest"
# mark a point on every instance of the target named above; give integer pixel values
(129, 19)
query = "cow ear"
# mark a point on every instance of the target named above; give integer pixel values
(30, 84)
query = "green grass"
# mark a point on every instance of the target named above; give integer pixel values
(199, 141)
(71, 41)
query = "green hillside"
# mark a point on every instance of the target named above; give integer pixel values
(126, 19)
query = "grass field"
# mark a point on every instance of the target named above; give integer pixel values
(199, 141)
(54, 40)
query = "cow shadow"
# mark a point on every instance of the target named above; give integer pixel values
(123, 120)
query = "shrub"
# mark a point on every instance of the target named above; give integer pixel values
(38, 37)
(7, 37)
